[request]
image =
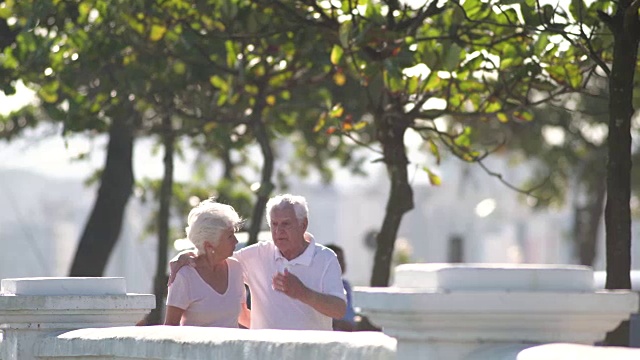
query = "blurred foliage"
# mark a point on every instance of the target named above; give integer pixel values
(436, 68)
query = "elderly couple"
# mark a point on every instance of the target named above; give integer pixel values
(294, 282)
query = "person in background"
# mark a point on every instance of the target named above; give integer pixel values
(348, 321)
(211, 292)
(295, 283)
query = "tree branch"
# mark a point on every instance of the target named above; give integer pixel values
(500, 178)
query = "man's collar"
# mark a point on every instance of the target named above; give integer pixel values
(304, 258)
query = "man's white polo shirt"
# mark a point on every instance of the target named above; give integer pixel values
(318, 269)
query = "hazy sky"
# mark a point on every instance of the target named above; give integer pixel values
(44, 151)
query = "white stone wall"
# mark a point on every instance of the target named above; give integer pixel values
(193, 343)
(433, 311)
(491, 311)
(200, 343)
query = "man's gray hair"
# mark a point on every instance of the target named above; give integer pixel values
(299, 204)
(208, 220)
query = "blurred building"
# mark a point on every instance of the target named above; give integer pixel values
(470, 217)
(41, 220)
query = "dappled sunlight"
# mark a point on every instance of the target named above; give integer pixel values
(485, 207)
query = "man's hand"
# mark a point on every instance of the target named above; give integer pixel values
(290, 285)
(184, 258)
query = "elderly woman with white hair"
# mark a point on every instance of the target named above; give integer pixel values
(212, 292)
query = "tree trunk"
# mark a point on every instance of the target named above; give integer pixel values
(625, 26)
(166, 193)
(266, 186)
(105, 222)
(390, 132)
(617, 211)
(587, 224)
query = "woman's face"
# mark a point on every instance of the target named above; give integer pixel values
(227, 243)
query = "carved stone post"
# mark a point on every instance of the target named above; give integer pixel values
(485, 311)
(33, 308)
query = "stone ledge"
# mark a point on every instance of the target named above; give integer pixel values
(492, 277)
(410, 300)
(55, 286)
(199, 343)
(562, 351)
(70, 303)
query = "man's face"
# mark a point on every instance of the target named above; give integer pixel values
(286, 230)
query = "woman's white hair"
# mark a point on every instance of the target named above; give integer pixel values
(208, 220)
(299, 204)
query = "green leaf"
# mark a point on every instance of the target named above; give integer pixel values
(433, 82)
(179, 67)
(433, 178)
(507, 62)
(5, 12)
(83, 10)
(471, 86)
(541, 43)
(463, 140)
(157, 32)
(523, 115)
(251, 89)
(493, 106)
(345, 33)
(336, 111)
(472, 7)
(452, 58)
(218, 82)
(336, 54)
(372, 12)
(360, 125)
(222, 99)
(321, 121)
(231, 53)
(574, 74)
(412, 84)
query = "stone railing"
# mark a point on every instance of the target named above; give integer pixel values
(33, 309)
(199, 343)
(432, 311)
(490, 311)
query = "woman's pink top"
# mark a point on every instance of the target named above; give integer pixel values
(202, 305)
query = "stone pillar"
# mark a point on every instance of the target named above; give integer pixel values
(490, 311)
(33, 308)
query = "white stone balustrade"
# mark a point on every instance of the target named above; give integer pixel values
(204, 343)
(33, 308)
(433, 311)
(485, 311)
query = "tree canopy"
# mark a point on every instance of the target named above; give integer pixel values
(327, 76)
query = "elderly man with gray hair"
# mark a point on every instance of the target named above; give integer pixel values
(294, 282)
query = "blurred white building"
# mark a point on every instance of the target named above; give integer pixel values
(471, 217)
(41, 220)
